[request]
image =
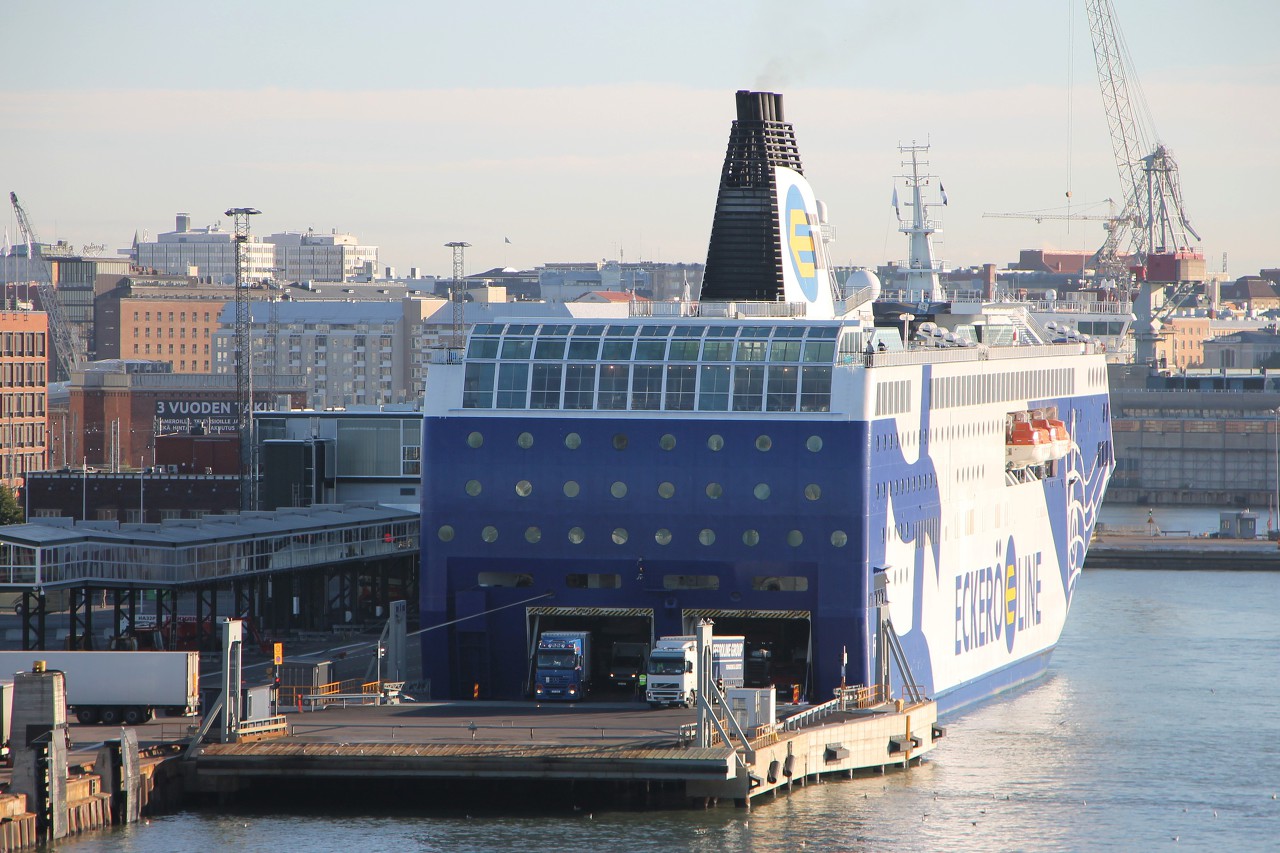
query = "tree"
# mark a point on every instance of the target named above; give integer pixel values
(10, 509)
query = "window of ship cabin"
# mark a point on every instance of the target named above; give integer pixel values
(717, 350)
(549, 348)
(651, 350)
(776, 583)
(646, 386)
(617, 350)
(815, 388)
(783, 383)
(477, 386)
(713, 389)
(819, 352)
(579, 386)
(584, 349)
(614, 379)
(785, 351)
(517, 348)
(751, 350)
(684, 351)
(748, 388)
(506, 579)
(513, 386)
(681, 382)
(592, 581)
(545, 391)
(483, 348)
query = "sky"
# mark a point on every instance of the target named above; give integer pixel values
(588, 131)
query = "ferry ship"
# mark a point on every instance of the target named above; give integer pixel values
(842, 478)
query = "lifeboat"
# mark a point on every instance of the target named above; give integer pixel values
(1059, 438)
(1027, 445)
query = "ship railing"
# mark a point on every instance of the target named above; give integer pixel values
(936, 355)
(857, 297)
(1080, 306)
(717, 309)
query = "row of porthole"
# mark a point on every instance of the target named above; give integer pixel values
(666, 489)
(715, 442)
(620, 535)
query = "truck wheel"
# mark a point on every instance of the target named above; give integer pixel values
(135, 716)
(110, 716)
(87, 716)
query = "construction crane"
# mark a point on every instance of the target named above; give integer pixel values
(69, 348)
(1153, 222)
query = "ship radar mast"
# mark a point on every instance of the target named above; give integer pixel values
(922, 270)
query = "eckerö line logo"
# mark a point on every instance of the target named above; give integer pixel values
(1003, 599)
(800, 245)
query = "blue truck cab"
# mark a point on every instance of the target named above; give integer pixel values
(562, 670)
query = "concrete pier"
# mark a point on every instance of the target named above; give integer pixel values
(1130, 551)
(628, 747)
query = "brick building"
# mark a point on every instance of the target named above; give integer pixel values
(169, 319)
(23, 398)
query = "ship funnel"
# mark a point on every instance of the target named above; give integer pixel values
(744, 258)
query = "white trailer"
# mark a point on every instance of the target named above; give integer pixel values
(119, 687)
(673, 664)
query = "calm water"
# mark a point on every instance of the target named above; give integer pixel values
(1158, 719)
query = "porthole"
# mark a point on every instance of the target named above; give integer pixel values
(573, 441)
(751, 538)
(839, 538)
(667, 442)
(532, 535)
(666, 490)
(813, 491)
(707, 536)
(763, 443)
(795, 538)
(662, 537)
(714, 490)
(571, 489)
(576, 535)
(489, 533)
(715, 442)
(475, 440)
(473, 487)
(761, 491)
(525, 440)
(524, 488)
(445, 533)
(813, 444)
(618, 489)
(620, 441)
(619, 536)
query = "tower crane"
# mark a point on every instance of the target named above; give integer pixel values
(68, 345)
(1154, 221)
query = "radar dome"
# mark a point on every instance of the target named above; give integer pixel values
(858, 279)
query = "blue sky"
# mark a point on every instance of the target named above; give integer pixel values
(586, 131)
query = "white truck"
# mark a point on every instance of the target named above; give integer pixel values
(672, 677)
(119, 687)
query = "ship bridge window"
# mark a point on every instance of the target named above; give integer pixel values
(651, 350)
(689, 331)
(579, 386)
(584, 349)
(655, 331)
(681, 383)
(477, 385)
(614, 379)
(517, 347)
(777, 583)
(483, 348)
(721, 332)
(621, 331)
(690, 582)
(788, 332)
(549, 348)
(555, 330)
(751, 350)
(579, 331)
(488, 329)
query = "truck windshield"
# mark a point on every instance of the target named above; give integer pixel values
(666, 666)
(557, 660)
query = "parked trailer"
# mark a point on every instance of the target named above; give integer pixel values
(119, 687)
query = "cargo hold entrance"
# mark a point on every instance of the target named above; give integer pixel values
(779, 645)
(609, 627)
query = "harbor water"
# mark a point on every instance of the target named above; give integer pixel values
(1155, 728)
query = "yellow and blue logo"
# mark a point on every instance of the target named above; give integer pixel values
(1010, 594)
(800, 243)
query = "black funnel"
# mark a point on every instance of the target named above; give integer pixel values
(744, 261)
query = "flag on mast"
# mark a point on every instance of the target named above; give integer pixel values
(895, 202)
(942, 190)
(506, 239)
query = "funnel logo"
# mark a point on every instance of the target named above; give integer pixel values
(800, 243)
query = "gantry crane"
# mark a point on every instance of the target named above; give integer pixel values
(1153, 221)
(69, 348)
